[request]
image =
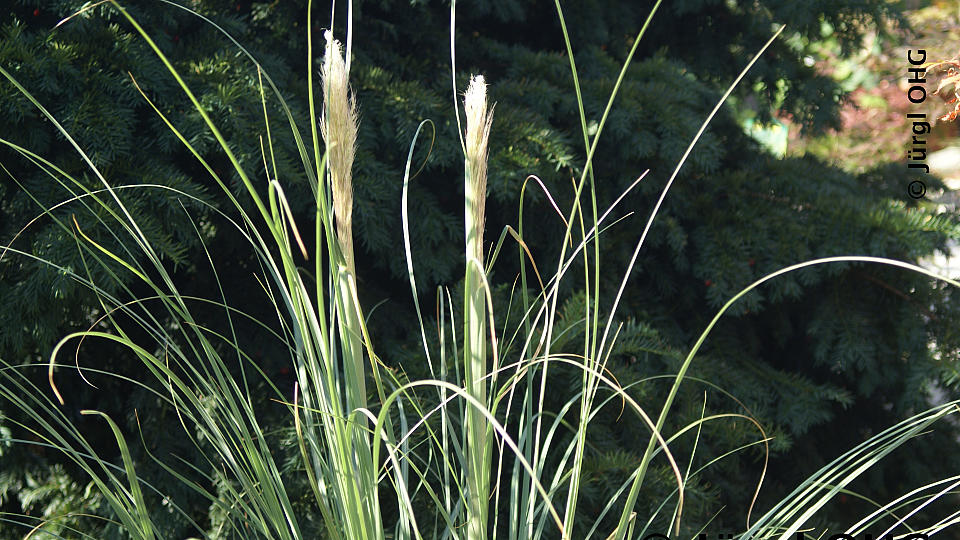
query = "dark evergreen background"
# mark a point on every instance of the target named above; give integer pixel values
(823, 357)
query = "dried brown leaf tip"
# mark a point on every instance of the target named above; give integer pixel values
(949, 86)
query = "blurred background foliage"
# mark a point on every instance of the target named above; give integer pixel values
(874, 127)
(822, 358)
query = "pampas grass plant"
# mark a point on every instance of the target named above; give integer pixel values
(355, 456)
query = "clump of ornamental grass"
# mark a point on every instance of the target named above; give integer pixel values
(185, 369)
(347, 441)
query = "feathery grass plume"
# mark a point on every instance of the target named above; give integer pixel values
(479, 120)
(479, 434)
(339, 128)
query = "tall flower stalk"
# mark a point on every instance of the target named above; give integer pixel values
(339, 128)
(354, 474)
(479, 435)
